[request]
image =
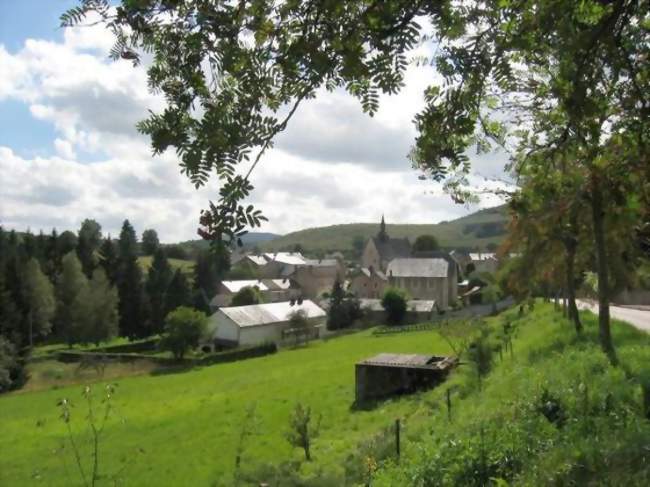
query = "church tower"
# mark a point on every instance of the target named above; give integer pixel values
(382, 235)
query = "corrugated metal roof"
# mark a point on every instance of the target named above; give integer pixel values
(410, 361)
(418, 268)
(264, 314)
(235, 286)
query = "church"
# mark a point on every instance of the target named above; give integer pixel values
(390, 261)
(380, 250)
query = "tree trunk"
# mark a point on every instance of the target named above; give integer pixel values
(574, 315)
(598, 216)
(31, 329)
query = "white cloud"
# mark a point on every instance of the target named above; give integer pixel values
(333, 165)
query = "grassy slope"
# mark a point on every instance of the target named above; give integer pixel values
(340, 237)
(603, 440)
(187, 423)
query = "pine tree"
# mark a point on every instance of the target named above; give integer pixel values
(10, 317)
(210, 267)
(129, 285)
(158, 280)
(103, 308)
(39, 299)
(66, 243)
(72, 296)
(178, 292)
(108, 259)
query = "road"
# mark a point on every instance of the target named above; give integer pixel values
(636, 317)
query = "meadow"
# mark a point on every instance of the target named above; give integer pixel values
(550, 411)
(167, 429)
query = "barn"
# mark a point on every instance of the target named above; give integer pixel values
(261, 323)
(390, 374)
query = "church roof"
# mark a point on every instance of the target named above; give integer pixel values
(392, 248)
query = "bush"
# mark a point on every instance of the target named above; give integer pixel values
(184, 328)
(394, 303)
(12, 374)
(246, 296)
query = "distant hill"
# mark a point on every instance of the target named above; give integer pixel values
(479, 229)
(250, 239)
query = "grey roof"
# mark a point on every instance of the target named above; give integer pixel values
(235, 286)
(269, 313)
(292, 258)
(392, 248)
(482, 256)
(369, 272)
(322, 262)
(410, 361)
(418, 268)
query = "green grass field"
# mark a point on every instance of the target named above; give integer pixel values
(184, 265)
(177, 427)
(183, 428)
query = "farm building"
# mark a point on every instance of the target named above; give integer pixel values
(271, 290)
(261, 323)
(389, 374)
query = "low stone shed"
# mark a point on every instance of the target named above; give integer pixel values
(389, 374)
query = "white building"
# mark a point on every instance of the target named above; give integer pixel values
(260, 323)
(271, 290)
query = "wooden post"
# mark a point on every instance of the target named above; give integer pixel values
(397, 431)
(449, 404)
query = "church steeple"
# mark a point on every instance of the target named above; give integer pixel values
(382, 235)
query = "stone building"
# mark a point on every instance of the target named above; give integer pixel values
(425, 278)
(380, 250)
(368, 283)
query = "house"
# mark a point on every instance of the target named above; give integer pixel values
(313, 276)
(368, 283)
(417, 311)
(425, 278)
(261, 323)
(380, 250)
(484, 262)
(390, 374)
(271, 290)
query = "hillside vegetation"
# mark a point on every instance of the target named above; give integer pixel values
(571, 418)
(476, 230)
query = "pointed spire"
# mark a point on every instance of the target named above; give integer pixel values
(382, 235)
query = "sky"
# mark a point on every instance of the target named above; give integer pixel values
(69, 149)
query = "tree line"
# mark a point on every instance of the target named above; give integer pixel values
(89, 288)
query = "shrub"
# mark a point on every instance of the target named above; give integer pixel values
(246, 296)
(12, 374)
(394, 303)
(184, 328)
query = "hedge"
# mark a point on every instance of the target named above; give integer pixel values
(70, 356)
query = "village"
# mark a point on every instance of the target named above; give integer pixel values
(434, 282)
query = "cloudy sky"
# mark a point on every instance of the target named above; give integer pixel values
(69, 150)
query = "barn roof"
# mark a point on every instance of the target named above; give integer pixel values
(409, 361)
(418, 268)
(269, 313)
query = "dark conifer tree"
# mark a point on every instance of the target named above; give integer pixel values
(158, 279)
(210, 267)
(178, 293)
(108, 259)
(129, 286)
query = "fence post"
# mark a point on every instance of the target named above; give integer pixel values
(449, 404)
(397, 432)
